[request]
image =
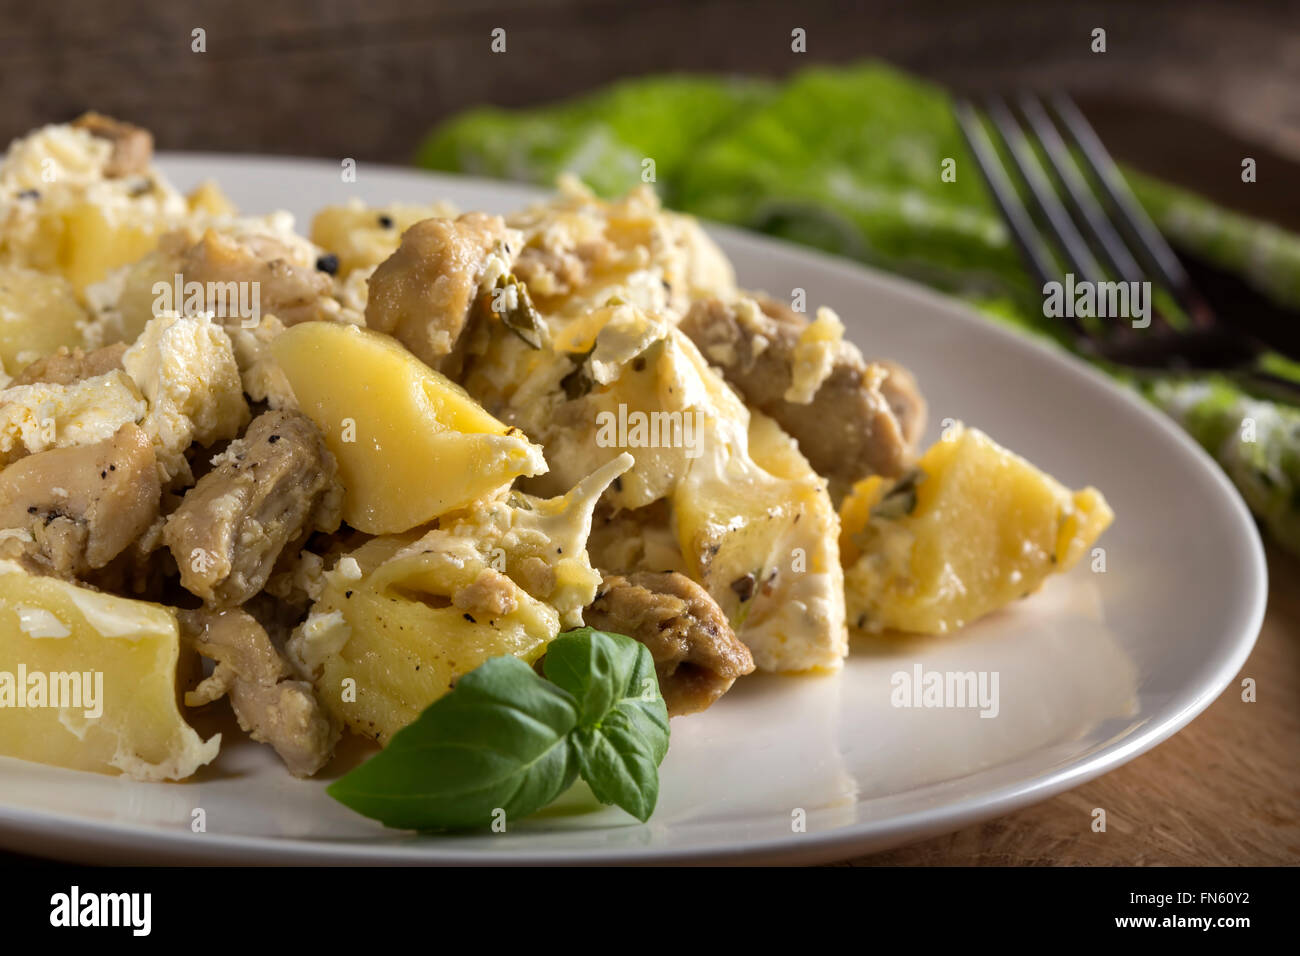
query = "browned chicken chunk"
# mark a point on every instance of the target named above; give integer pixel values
(291, 292)
(490, 595)
(863, 419)
(423, 293)
(67, 511)
(905, 400)
(272, 706)
(697, 656)
(267, 489)
(65, 367)
(132, 145)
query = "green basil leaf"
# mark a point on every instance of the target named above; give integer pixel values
(622, 733)
(595, 667)
(616, 761)
(500, 741)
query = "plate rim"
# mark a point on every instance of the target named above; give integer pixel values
(60, 834)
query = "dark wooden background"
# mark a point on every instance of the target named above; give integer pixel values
(328, 78)
(1185, 90)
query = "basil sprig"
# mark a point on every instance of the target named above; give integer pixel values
(622, 732)
(507, 740)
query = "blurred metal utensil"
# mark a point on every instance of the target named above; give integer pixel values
(1073, 212)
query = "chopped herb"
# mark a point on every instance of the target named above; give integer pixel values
(521, 318)
(578, 382)
(900, 500)
(744, 587)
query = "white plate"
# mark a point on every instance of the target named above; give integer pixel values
(1094, 669)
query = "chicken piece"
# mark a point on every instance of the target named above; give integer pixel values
(67, 511)
(272, 706)
(144, 569)
(697, 656)
(905, 400)
(132, 145)
(859, 418)
(267, 489)
(289, 291)
(490, 595)
(423, 293)
(65, 367)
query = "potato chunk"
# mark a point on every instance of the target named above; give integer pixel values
(411, 444)
(971, 529)
(94, 244)
(399, 622)
(38, 313)
(758, 530)
(401, 619)
(363, 236)
(57, 637)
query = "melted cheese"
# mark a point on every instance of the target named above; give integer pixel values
(185, 367)
(36, 417)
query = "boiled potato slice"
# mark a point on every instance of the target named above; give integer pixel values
(758, 530)
(386, 638)
(971, 529)
(38, 313)
(363, 236)
(208, 198)
(125, 653)
(92, 245)
(403, 617)
(411, 444)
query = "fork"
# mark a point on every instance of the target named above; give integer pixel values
(1091, 223)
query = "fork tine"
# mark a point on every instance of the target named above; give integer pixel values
(1078, 194)
(1036, 251)
(1077, 254)
(1151, 246)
